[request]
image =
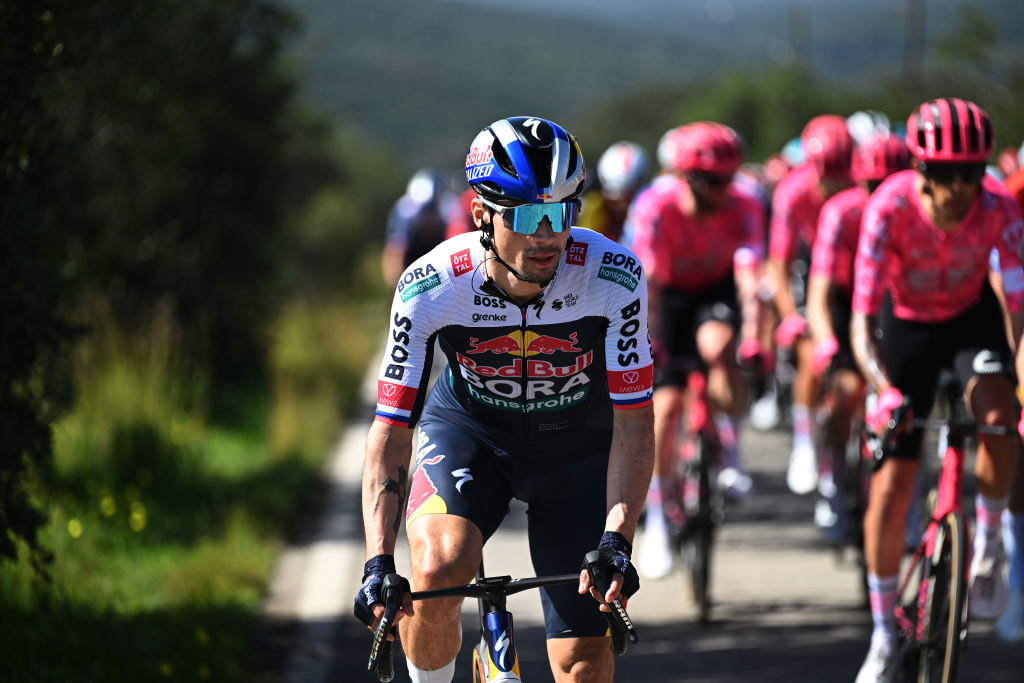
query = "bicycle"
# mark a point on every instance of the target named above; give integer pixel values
(932, 613)
(494, 656)
(698, 505)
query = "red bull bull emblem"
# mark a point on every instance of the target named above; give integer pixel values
(423, 498)
(513, 343)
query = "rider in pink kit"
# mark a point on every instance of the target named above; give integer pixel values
(922, 302)
(700, 237)
(829, 294)
(797, 201)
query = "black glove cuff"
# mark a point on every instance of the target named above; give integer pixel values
(380, 564)
(617, 542)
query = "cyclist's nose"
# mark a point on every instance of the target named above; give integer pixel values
(544, 230)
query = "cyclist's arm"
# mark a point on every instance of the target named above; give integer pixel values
(385, 485)
(819, 315)
(783, 297)
(867, 352)
(747, 262)
(630, 465)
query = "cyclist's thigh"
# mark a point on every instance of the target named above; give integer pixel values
(914, 354)
(678, 328)
(981, 347)
(566, 518)
(717, 320)
(456, 474)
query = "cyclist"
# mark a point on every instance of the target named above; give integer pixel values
(922, 301)
(621, 171)
(796, 203)
(416, 223)
(829, 295)
(546, 398)
(701, 239)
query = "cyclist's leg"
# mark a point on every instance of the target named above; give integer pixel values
(1010, 627)
(913, 358)
(448, 519)
(566, 518)
(717, 325)
(985, 366)
(654, 556)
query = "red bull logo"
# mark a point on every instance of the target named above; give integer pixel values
(423, 498)
(528, 344)
(545, 196)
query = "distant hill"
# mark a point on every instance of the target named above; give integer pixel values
(420, 77)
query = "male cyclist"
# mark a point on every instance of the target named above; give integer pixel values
(622, 170)
(829, 295)
(922, 301)
(701, 239)
(796, 203)
(416, 223)
(546, 398)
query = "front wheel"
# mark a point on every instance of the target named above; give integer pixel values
(943, 600)
(697, 536)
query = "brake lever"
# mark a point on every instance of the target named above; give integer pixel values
(618, 619)
(381, 660)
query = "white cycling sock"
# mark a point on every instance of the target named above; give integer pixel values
(443, 675)
(801, 425)
(988, 514)
(882, 592)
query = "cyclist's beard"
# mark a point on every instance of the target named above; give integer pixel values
(704, 203)
(529, 271)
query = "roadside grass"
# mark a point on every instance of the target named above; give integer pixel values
(164, 527)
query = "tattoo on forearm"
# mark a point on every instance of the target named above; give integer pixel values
(398, 487)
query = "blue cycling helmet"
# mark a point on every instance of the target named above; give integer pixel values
(525, 160)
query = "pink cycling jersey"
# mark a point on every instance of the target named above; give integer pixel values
(796, 202)
(690, 252)
(835, 244)
(933, 275)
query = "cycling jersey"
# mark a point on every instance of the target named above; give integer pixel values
(933, 275)
(553, 368)
(835, 241)
(689, 252)
(796, 202)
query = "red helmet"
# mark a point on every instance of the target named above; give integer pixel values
(951, 130)
(703, 146)
(828, 145)
(880, 156)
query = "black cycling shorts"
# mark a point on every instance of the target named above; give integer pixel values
(841, 309)
(682, 314)
(915, 353)
(463, 472)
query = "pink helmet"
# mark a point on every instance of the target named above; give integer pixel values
(950, 130)
(828, 145)
(879, 156)
(703, 146)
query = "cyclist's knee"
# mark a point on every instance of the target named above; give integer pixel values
(581, 659)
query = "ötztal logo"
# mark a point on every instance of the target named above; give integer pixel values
(576, 255)
(461, 262)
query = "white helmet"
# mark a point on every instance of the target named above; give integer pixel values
(622, 169)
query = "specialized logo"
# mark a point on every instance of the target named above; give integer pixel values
(463, 476)
(462, 263)
(423, 495)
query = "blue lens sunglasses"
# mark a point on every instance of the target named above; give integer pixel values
(525, 219)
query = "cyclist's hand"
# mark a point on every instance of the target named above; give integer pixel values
(877, 417)
(615, 555)
(792, 327)
(749, 354)
(369, 603)
(822, 355)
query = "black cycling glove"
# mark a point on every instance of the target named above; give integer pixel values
(369, 593)
(615, 555)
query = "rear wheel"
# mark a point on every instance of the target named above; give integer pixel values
(944, 598)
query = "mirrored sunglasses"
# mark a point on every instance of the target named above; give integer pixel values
(527, 218)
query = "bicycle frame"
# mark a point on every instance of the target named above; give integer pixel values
(495, 657)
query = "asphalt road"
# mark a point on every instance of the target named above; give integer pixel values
(786, 608)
